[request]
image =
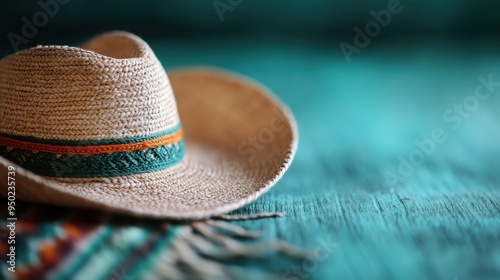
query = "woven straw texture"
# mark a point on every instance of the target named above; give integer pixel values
(115, 88)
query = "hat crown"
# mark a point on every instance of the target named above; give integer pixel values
(113, 87)
(106, 109)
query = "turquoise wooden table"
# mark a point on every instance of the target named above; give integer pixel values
(397, 170)
(356, 122)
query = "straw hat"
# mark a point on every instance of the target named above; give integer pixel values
(102, 126)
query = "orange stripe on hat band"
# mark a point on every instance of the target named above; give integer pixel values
(92, 150)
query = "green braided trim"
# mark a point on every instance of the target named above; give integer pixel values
(102, 165)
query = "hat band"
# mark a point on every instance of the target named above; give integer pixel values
(94, 158)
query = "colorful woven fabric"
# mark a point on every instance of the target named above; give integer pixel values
(58, 243)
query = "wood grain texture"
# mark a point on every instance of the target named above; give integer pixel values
(355, 120)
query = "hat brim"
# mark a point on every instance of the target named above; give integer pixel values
(239, 141)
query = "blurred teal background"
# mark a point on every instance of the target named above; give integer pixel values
(355, 120)
(319, 19)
